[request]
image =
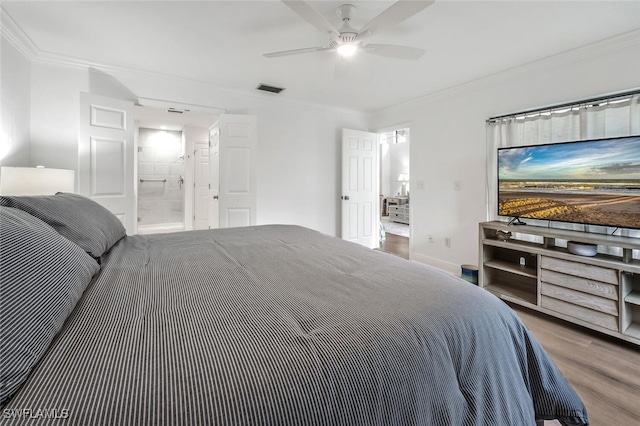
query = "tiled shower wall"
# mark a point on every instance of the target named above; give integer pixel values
(160, 157)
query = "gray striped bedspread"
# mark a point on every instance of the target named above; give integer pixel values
(282, 325)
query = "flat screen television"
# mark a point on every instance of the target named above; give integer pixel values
(595, 182)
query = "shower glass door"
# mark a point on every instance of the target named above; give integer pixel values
(160, 181)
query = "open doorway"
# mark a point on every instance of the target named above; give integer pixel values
(395, 192)
(166, 171)
(161, 168)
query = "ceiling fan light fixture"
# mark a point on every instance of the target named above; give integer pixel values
(347, 40)
(346, 50)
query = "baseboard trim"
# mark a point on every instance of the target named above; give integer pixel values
(449, 267)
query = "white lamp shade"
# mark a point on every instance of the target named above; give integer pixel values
(35, 181)
(403, 177)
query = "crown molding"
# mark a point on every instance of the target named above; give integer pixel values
(12, 32)
(45, 58)
(598, 48)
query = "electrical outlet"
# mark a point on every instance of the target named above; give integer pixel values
(431, 239)
(523, 261)
(447, 242)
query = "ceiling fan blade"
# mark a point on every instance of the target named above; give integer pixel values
(297, 51)
(396, 13)
(393, 51)
(309, 14)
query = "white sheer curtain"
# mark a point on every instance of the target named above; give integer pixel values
(618, 116)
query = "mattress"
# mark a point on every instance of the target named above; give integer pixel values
(282, 325)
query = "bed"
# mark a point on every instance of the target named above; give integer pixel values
(272, 324)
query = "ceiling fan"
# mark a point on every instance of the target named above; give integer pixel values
(347, 40)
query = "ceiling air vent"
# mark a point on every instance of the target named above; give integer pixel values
(271, 89)
(177, 111)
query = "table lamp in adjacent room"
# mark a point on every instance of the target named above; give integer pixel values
(404, 179)
(35, 181)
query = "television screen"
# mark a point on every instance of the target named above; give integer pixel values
(593, 182)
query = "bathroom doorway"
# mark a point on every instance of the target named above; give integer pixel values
(165, 148)
(161, 168)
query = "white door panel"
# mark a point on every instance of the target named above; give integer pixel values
(238, 217)
(106, 155)
(214, 164)
(108, 162)
(359, 187)
(237, 169)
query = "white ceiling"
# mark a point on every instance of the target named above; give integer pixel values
(222, 42)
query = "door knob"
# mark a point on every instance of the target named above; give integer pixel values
(345, 197)
(215, 197)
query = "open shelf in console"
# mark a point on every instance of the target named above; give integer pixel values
(534, 268)
(630, 284)
(510, 273)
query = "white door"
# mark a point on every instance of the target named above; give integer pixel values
(237, 165)
(214, 164)
(201, 185)
(360, 199)
(106, 155)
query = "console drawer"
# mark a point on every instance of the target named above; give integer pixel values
(579, 298)
(577, 269)
(594, 287)
(585, 314)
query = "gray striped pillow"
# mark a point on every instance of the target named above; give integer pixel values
(78, 218)
(42, 277)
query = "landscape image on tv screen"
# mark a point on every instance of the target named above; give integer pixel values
(593, 182)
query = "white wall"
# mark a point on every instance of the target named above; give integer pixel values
(298, 144)
(399, 163)
(394, 159)
(15, 106)
(448, 138)
(55, 107)
(385, 170)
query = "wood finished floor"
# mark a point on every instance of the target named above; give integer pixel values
(605, 372)
(396, 244)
